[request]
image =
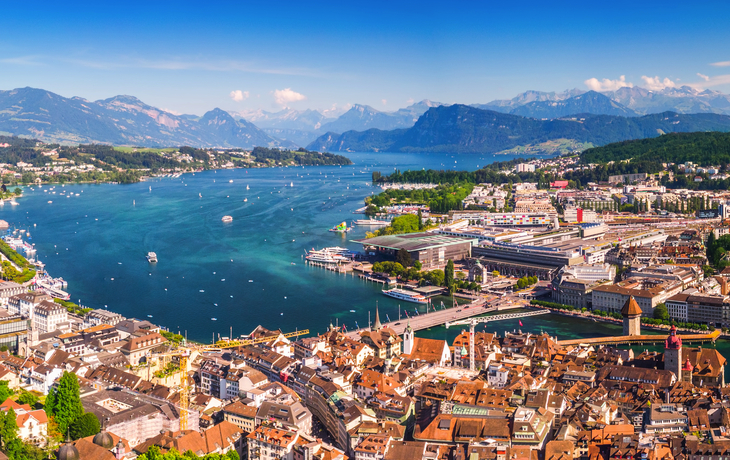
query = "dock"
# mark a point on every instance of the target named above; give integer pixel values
(641, 339)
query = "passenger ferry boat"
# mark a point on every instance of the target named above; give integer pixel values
(332, 255)
(372, 222)
(408, 296)
(152, 257)
(227, 219)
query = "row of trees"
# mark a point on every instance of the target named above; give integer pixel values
(441, 199)
(717, 250)
(154, 454)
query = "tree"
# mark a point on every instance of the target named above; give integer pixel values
(5, 391)
(403, 257)
(495, 273)
(8, 427)
(417, 265)
(65, 403)
(28, 398)
(86, 425)
(449, 275)
(661, 312)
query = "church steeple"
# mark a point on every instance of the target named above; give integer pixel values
(376, 325)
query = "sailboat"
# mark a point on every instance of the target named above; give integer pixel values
(341, 228)
(247, 185)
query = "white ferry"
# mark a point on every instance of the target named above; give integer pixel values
(408, 296)
(330, 255)
(372, 222)
(227, 219)
(152, 257)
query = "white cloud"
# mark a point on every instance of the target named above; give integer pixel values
(410, 101)
(704, 77)
(174, 112)
(384, 101)
(709, 82)
(607, 84)
(656, 83)
(238, 95)
(284, 96)
(721, 64)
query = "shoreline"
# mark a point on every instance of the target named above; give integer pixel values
(652, 327)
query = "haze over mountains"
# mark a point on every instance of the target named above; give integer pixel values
(465, 129)
(121, 120)
(534, 117)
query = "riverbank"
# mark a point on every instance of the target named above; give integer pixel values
(663, 328)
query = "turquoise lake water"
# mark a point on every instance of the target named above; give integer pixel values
(247, 272)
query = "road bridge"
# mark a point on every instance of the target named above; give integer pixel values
(440, 317)
(472, 322)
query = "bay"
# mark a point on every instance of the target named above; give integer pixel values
(247, 272)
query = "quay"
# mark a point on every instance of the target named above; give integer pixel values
(439, 317)
(641, 339)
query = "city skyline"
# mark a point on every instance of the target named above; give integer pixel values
(244, 57)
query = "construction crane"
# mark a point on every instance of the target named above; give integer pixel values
(185, 353)
(472, 322)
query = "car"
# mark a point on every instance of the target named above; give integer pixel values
(457, 311)
(397, 324)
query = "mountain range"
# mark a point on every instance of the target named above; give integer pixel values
(465, 129)
(121, 120)
(628, 101)
(125, 120)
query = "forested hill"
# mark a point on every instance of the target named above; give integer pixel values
(704, 149)
(465, 129)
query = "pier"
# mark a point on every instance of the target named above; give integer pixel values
(640, 339)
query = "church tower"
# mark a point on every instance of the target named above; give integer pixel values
(408, 339)
(376, 325)
(687, 371)
(673, 353)
(632, 317)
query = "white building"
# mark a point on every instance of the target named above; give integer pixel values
(49, 317)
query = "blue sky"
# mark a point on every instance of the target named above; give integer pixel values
(189, 58)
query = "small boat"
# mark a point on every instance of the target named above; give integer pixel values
(149, 316)
(230, 181)
(227, 219)
(152, 257)
(247, 187)
(245, 200)
(352, 311)
(214, 319)
(291, 185)
(341, 228)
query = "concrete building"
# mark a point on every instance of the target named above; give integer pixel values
(698, 308)
(430, 249)
(49, 317)
(647, 293)
(9, 289)
(134, 416)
